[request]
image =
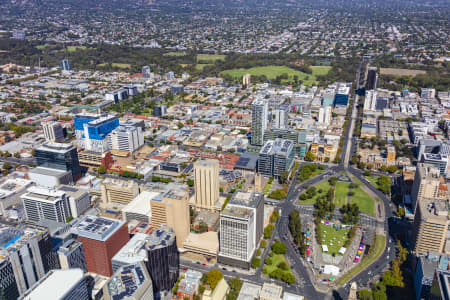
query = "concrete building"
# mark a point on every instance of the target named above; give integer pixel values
(370, 101)
(68, 284)
(426, 184)
(126, 138)
(276, 157)
(50, 178)
(325, 115)
(102, 238)
(372, 78)
(90, 159)
(79, 199)
(25, 257)
(10, 192)
(171, 208)
(428, 93)
(188, 286)
(241, 228)
(146, 72)
(280, 116)
(92, 130)
(65, 65)
(206, 179)
(328, 97)
(132, 252)
(139, 209)
(163, 261)
(259, 121)
(59, 156)
(118, 191)
(430, 226)
(438, 160)
(246, 80)
(219, 293)
(131, 282)
(249, 291)
(46, 204)
(270, 291)
(53, 131)
(71, 255)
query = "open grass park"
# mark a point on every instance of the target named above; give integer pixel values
(175, 53)
(273, 71)
(332, 238)
(116, 65)
(210, 58)
(341, 196)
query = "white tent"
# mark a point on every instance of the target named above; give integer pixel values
(330, 269)
(342, 250)
(324, 248)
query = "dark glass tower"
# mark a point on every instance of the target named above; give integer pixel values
(59, 156)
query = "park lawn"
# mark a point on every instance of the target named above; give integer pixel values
(380, 244)
(372, 180)
(201, 66)
(271, 72)
(324, 186)
(276, 259)
(320, 70)
(329, 233)
(341, 193)
(363, 200)
(40, 47)
(210, 57)
(267, 188)
(75, 48)
(175, 54)
(116, 65)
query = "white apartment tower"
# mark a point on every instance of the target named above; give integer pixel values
(126, 138)
(370, 102)
(53, 131)
(325, 115)
(426, 183)
(259, 121)
(206, 176)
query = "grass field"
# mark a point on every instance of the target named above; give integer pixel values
(364, 201)
(116, 65)
(380, 244)
(201, 66)
(75, 48)
(40, 47)
(333, 236)
(324, 186)
(341, 193)
(211, 58)
(276, 259)
(401, 72)
(273, 71)
(175, 54)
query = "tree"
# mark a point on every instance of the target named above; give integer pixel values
(401, 212)
(288, 277)
(268, 261)
(277, 273)
(202, 227)
(101, 169)
(256, 262)
(263, 244)
(365, 295)
(309, 156)
(190, 182)
(279, 247)
(180, 125)
(284, 176)
(214, 276)
(17, 155)
(283, 266)
(275, 215)
(384, 184)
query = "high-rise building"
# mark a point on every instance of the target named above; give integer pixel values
(259, 121)
(328, 97)
(430, 226)
(428, 93)
(65, 65)
(163, 260)
(280, 116)
(132, 252)
(241, 228)
(390, 154)
(440, 161)
(342, 94)
(160, 110)
(370, 101)
(171, 208)
(68, 284)
(71, 255)
(126, 138)
(131, 282)
(117, 95)
(426, 183)
(118, 191)
(246, 79)
(206, 179)
(46, 204)
(53, 131)
(59, 156)
(79, 199)
(372, 78)
(25, 257)
(146, 72)
(102, 238)
(325, 115)
(275, 157)
(92, 130)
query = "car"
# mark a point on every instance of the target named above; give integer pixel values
(203, 264)
(234, 271)
(370, 272)
(224, 269)
(184, 269)
(198, 263)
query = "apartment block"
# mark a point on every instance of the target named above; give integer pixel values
(206, 179)
(118, 191)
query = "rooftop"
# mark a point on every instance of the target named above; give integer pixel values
(141, 204)
(96, 228)
(246, 198)
(278, 146)
(271, 290)
(161, 237)
(56, 147)
(236, 212)
(43, 194)
(126, 281)
(133, 251)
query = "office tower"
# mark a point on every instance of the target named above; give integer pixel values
(69, 284)
(328, 97)
(370, 101)
(325, 115)
(206, 177)
(92, 130)
(171, 208)
(118, 191)
(25, 257)
(126, 138)
(259, 121)
(53, 131)
(390, 154)
(163, 259)
(170, 75)
(246, 79)
(79, 199)
(46, 204)
(372, 78)
(382, 103)
(102, 238)
(160, 110)
(71, 255)
(426, 183)
(270, 291)
(146, 72)
(131, 89)
(428, 146)
(59, 156)
(342, 94)
(280, 116)
(430, 226)
(18, 34)
(131, 282)
(438, 160)
(65, 65)
(275, 157)
(428, 93)
(241, 228)
(132, 252)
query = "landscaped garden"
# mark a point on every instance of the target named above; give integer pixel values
(275, 264)
(332, 238)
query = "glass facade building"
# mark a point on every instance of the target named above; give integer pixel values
(59, 156)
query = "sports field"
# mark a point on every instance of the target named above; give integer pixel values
(116, 65)
(210, 58)
(175, 54)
